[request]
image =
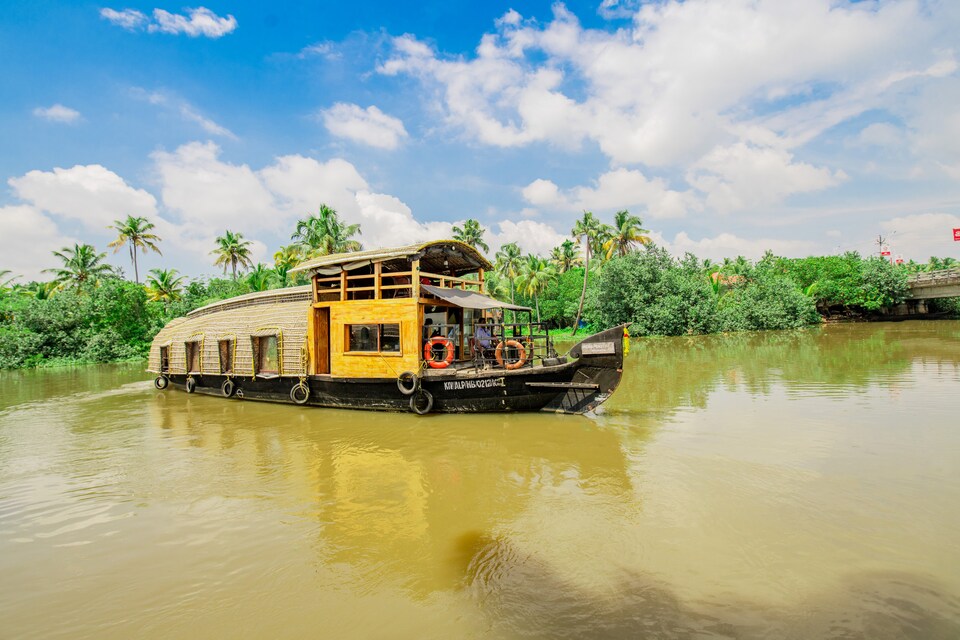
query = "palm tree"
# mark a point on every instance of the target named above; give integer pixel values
(565, 256)
(536, 274)
(585, 231)
(164, 285)
(471, 234)
(40, 290)
(325, 233)
(81, 265)
(134, 231)
(232, 250)
(285, 259)
(5, 282)
(626, 233)
(508, 261)
(259, 277)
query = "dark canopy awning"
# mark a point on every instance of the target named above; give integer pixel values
(470, 299)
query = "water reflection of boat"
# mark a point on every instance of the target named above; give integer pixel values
(398, 329)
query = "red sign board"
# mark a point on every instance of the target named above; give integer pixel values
(884, 251)
(956, 235)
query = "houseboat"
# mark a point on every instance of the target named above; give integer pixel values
(404, 329)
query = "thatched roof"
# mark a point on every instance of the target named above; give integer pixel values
(272, 296)
(444, 256)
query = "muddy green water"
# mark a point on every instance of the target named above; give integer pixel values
(775, 485)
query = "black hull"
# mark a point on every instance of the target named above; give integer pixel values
(573, 387)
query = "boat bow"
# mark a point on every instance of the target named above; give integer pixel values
(597, 372)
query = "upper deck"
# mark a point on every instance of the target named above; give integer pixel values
(380, 274)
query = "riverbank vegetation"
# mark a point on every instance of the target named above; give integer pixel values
(603, 275)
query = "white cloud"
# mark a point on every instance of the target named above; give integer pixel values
(922, 235)
(91, 194)
(205, 192)
(530, 235)
(723, 93)
(57, 113)
(322, 49)
(728, 245)
(201, 22)
(369, 126)
(27, 241)
(614, 190)
(129, 19)
(880, 134)
(301, 184)
(186, 110)
(742, 176)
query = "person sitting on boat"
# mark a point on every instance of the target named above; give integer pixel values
(483, 340)
(482, 335)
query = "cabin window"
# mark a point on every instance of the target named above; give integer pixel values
(193, 357)
(226, 356)
(373, 338)
(267, 356)
(164, 359)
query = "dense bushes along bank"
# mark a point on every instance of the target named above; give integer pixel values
(663, 295)
(110, 322)
(659, 294)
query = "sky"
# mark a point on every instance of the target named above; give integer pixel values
(728, 126)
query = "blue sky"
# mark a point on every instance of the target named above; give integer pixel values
(729, 127)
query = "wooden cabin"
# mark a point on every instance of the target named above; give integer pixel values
(366, 314)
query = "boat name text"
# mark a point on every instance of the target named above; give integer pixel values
(485, 383)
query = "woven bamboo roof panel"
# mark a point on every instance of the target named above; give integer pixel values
(239, 322)
(459, 257)
(272, 296)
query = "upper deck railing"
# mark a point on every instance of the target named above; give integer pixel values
(385, 285)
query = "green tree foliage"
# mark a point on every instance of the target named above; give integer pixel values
(560, 300)
(82, 267)
(661, 295)
(260, 277)
(325, 234)
(566, 256)
(509, 261)
(472, 234)
(588, 231)
(536, 274)
(232, 250)
(134, 232)
(625, 235)
(848, 282)
(164, 285)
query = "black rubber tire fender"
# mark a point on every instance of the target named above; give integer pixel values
(415, 405)
(190, 385)
(228, 387)
(300, 393)
(161, 382)
(414, 383)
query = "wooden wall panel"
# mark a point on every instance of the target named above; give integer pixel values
(374, 365)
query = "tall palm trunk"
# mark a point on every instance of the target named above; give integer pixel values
(583, 294)
(536, 301)
(133, 257)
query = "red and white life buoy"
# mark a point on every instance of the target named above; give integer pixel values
(521, 355)
(448, 354)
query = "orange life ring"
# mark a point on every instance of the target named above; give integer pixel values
(448, 354)
(521, 358)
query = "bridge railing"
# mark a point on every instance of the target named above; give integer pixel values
(943, 276)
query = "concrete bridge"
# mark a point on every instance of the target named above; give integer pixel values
(935, 284)
(927, 286)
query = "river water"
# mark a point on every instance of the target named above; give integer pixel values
(771, 485)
